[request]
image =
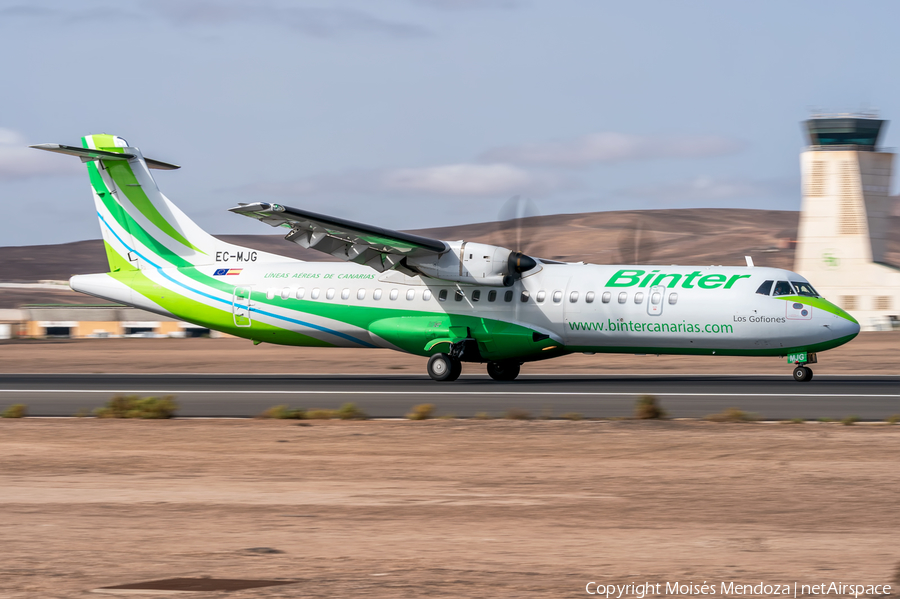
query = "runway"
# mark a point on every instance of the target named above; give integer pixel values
(245, 395)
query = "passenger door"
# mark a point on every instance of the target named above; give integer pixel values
(241, 303)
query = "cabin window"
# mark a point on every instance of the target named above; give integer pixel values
(541, 296)
(492, 295)
(623, 297)
(639, 297)
(270, 293)
(376, 295)
(557, 297)
(410, 295)
(589, 297)
(329, 294)
(765, 288)
(673, 298)
(783, 288)
(394, 294)
(345, 294)
(300, 292)
(286, 293)
(426, 295)
(442, 295)
(525, 295)
(573, 297)
(315, 293)
(804, 289)
(606, 297)
(655, 298)
(361, 294)
(507, 297)
(458, 296)
(476, 295)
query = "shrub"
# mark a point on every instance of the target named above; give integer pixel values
(647, 408)
(349, 411)
(793, 421)
(893, 419)
(517, 414)
(732, 415)
(849, 420)
(319, 414)
(483, 416)
(132, 406)
(447, 417)
(18, 410)
(283, 412)
(423, 411)
(826, 419)
(572, 416)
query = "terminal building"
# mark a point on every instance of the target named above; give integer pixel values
(845, 218)
(93, 321)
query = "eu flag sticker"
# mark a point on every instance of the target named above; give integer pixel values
(220, 271)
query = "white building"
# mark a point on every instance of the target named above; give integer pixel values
(842, 239)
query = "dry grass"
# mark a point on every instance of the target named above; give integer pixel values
(517, 414)
(132, 406)
(732, 415)
(648, 408)
(18, 410)
(283, 412)
(422, 411)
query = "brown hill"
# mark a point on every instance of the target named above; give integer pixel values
(696, 236)
(687, 236)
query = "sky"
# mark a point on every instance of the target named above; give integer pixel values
(424, 113)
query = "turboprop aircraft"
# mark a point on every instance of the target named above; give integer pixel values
(449, 301)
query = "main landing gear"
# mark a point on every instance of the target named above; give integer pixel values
(445, 367)
(803, 373)
(503, 371)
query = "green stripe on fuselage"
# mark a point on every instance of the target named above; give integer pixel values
(818, 302)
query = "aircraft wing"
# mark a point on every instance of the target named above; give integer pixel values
(378, 248)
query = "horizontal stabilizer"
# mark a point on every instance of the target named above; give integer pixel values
(355, 242)
(87, 154)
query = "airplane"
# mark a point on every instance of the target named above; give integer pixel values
(449, 301)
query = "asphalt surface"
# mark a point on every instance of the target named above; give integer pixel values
(243, 395)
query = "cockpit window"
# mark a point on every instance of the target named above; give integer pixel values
(805, 289)
(765, 288)
(783, 288)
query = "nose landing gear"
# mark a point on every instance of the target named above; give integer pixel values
(803, 374)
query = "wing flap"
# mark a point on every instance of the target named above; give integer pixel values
(378, 248)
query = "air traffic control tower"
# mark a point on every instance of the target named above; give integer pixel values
(844, 220)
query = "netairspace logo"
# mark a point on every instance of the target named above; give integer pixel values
(795, 589)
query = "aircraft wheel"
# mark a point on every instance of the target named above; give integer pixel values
(456, 370)
(503, 371)
(803, 374)
(441, 367)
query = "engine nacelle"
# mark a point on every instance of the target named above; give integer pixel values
(475, 263)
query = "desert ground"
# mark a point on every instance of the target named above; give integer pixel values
(869, 353)
(443, 508)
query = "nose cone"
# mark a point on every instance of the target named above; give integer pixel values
(843, 325)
